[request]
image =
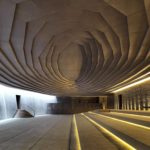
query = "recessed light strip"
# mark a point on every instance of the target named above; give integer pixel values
(76, 134)
(132, 115)
(134, 75)
(131, 85)
(121, 144)
(127, 122)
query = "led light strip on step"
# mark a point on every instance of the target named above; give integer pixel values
(122, 144)
(134, 115)
(130, 123)
(78, 146)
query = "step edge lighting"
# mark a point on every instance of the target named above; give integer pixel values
(110, 134)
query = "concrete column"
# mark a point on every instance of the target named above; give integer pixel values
(137, 104)
(129, 99)
(124, 103)
(103, 101)
(127, 103)
(144, 103)
(141, 102)
(116, 102)
(147, 102)
(132, 99)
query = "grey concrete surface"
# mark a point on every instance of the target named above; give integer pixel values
(41, 133)
(53, 132)
(138, 119)
(90, 137)
(76, 47)
(135, 136)
(136, 112)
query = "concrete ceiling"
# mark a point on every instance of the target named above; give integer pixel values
(73, 47)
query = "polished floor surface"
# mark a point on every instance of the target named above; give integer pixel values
(88, 131)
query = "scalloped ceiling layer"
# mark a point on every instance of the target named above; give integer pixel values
(73, 47)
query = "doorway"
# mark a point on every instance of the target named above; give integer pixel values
(120, 101)
(18, 101)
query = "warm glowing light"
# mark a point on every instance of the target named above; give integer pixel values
(131, 85)
(142, 76)
(130, 123)
(132, 115)
(134, 75)
(78, 146)
(116, 139)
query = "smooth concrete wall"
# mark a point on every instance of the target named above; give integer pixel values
(30, 101)
(135, 98)
(70, 105)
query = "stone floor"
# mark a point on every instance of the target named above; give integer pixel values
(55, 132)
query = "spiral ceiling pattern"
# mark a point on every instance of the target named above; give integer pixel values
(73, 47)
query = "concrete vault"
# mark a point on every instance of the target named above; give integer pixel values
(73, 47)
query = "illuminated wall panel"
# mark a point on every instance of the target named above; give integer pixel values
(30, 101)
